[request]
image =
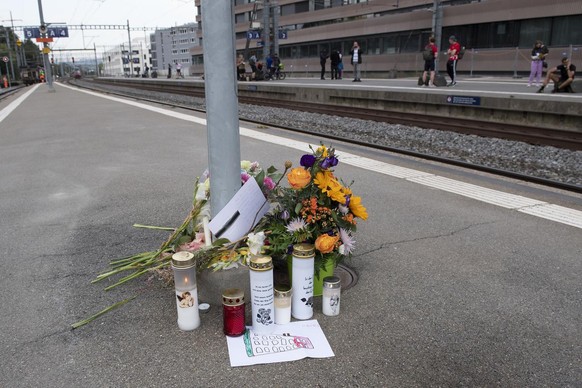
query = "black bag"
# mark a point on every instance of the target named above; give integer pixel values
(461, 53)
(427, 54)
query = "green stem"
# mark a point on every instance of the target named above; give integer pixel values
(100, 313)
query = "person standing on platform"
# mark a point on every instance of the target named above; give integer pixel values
(323, 55)
(240, 68)
(356, 54)
(453, 53)
(562, 75)
(179, 70)
(340, 65)
(538, 54)
(334, 59)
(429, 61)
(269, 63)
(169, 70)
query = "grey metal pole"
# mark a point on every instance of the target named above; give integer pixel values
(10, 49)
(221, 101)
(266, 28)
(47, 64)
(515, 62)
(276, 11)
(437, 21)
(130, 53)
(96, 63)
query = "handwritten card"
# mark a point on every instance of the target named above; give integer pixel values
(241, 213)
(290, 342)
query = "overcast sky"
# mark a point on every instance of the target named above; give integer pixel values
(140, 13)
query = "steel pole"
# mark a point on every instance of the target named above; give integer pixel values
(130, 53)
(47, 64)
(221, 101)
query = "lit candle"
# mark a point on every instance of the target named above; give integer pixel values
(183, 264)
(207, 236)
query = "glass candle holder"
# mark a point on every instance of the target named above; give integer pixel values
(282, 305)
(233, 312)
(331, 296)
(262, 297)
(302, 269)
(184, 266)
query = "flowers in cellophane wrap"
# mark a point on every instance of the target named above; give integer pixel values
(317, 208)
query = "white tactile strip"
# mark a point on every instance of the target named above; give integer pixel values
(519, 203)
(14, 104)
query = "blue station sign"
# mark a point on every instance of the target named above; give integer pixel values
(52, 32)
(464, 100)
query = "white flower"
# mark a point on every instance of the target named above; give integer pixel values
(245, 165)
(343, 209)
(348, 242)
(255, 242)
(296, 224)
(203, 190)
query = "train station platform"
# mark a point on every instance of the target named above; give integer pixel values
(503, 100)
(464, 278)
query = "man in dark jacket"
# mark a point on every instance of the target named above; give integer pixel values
(335, 60)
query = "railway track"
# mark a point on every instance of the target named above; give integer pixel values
(533, 135)
(481, 130)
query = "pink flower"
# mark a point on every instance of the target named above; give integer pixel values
(268, 183)
(244, 177)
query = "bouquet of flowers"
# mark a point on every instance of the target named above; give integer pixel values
(317, 208)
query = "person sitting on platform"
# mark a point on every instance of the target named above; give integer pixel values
(562, 75)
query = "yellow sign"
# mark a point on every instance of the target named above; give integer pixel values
(46, 50)
(19, 43)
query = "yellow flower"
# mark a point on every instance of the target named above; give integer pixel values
(299, 178)
(357, 208)
(326, 243)
(322, 150)
(245, 164)
(330, 186)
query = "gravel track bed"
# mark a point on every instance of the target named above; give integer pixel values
(544, 162)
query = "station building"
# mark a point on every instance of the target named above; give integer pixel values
(173, 45)
(498, 34)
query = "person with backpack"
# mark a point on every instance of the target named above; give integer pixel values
(453, 53)
(335, 59)
(429, 55)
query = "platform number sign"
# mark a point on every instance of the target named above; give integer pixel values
(52, 32)
(283, 34)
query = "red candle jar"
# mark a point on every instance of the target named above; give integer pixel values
(233, 311)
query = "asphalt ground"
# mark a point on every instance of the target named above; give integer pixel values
(451, 291)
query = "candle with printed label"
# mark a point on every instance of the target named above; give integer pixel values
(183, 265)
(330, 301)
(302, 283)
(262, 296)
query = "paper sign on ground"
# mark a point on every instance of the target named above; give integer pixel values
(241, 213)
(290, 342)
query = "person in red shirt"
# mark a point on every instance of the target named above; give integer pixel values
(429, 64)
(453, 53)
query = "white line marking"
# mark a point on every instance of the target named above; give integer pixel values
(519, 203)
(14, 104)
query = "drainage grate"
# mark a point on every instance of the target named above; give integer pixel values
(348, 276)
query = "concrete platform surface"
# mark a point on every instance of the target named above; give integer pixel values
(452, 291)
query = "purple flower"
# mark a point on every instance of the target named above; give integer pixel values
(329, 162)
(284, 215)
(307, 160)
(268, 183)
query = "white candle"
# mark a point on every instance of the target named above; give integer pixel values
(187, 302)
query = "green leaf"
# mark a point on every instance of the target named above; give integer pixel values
(298, 208)
(271, 170)
(260, 179)
(220, 242)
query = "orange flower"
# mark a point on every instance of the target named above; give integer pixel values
(326, 243)
(299, 178)
(357, 208)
